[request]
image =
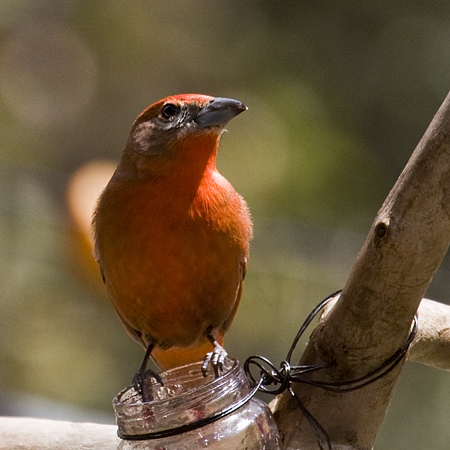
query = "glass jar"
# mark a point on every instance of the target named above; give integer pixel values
(187, 397)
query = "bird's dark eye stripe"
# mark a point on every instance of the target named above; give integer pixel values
(169, 110)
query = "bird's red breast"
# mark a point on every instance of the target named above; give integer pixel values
(171, 233)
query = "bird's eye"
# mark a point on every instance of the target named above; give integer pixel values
(169, 111)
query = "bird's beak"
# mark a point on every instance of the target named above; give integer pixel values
(219, 112)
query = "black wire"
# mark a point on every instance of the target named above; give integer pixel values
(372, 376)
(313, 422)
(308, 320)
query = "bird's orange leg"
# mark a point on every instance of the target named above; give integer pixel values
(216, 358)
(139, 378)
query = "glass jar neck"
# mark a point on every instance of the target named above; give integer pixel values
(185, 398)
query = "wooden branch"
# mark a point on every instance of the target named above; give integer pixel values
(372, 319)
(38, 434)
(432, 343)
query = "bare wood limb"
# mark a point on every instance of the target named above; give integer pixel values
(39, 434)
(432, 343)
(372, 319)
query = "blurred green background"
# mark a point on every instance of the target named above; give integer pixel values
(339, 94)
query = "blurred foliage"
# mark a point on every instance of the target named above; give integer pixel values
(339, 94)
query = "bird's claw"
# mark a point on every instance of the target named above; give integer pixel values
(216, 358)
(139, 384)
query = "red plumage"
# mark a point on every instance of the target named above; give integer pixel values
(171, 234)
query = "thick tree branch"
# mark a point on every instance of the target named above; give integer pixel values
(372, 319)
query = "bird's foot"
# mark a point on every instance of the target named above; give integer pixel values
(216, 358)
(139, 384)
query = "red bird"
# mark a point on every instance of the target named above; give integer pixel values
(172, 235)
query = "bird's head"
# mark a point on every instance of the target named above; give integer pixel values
(177, 134)
(179, 118)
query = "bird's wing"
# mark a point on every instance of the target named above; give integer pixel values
(226, 325)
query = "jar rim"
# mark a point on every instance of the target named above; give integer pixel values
(232, 365)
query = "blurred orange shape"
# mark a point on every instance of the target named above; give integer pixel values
(83, 190)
